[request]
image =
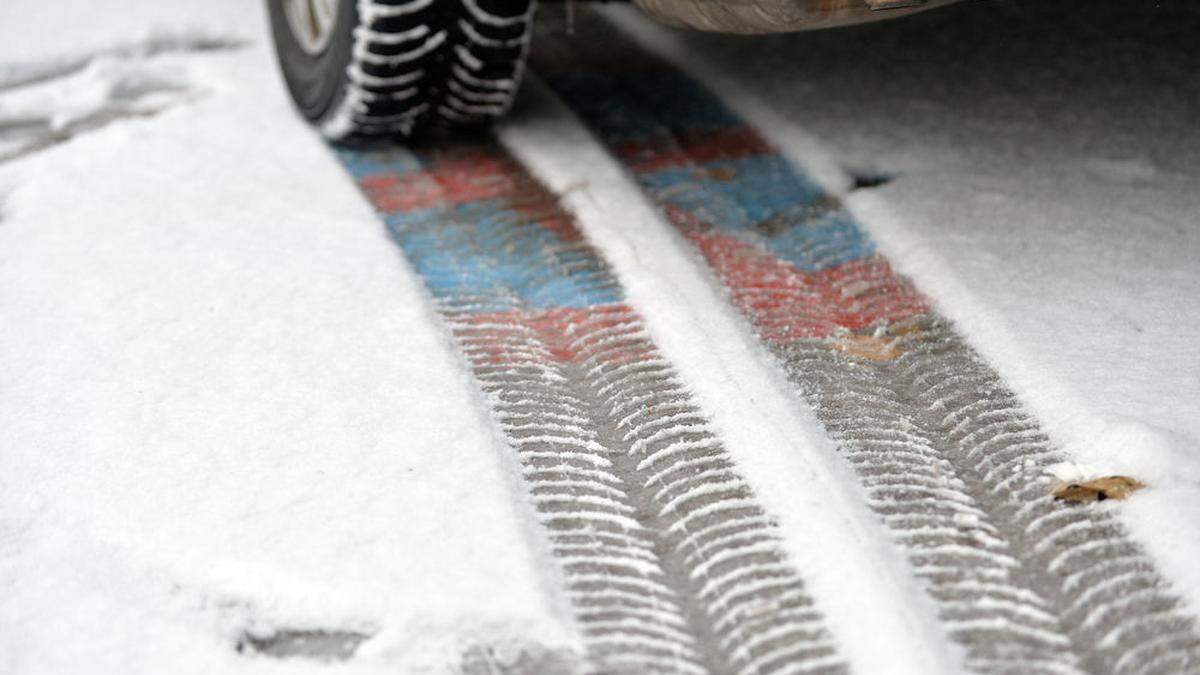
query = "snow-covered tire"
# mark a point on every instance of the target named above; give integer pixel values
(401, 67)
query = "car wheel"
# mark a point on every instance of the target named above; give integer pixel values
(400, 67)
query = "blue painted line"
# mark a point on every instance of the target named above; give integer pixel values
(485, 250)
(741, 196)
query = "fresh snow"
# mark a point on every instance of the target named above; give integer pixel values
(35, 35)
(225, 404)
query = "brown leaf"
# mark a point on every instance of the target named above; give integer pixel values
(1097, 490)
(867, 347)
(720, 173)
(910, 329)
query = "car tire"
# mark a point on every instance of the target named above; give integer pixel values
(401, 67)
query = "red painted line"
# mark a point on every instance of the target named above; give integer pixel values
(690, 147)
(553, 328)
(464, 174)
(786, 303)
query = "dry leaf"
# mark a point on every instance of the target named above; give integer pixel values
(910, 329)
(867, 347)
(720, 173)
(1110, 487)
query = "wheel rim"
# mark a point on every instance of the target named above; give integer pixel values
(311, 22)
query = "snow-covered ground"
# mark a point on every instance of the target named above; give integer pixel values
(226, 405)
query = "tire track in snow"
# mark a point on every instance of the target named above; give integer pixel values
(670, 562)
(951, 462)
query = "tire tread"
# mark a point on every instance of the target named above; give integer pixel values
(418, 65)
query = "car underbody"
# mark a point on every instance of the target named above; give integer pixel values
(401, 68)
(778, 16)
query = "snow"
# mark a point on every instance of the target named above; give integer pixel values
(225, 405)
(34, 35)
(107, 88)
(1046, 160)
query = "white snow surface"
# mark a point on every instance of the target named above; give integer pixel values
(225, 405)
(34, 34)
(1046, 158)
